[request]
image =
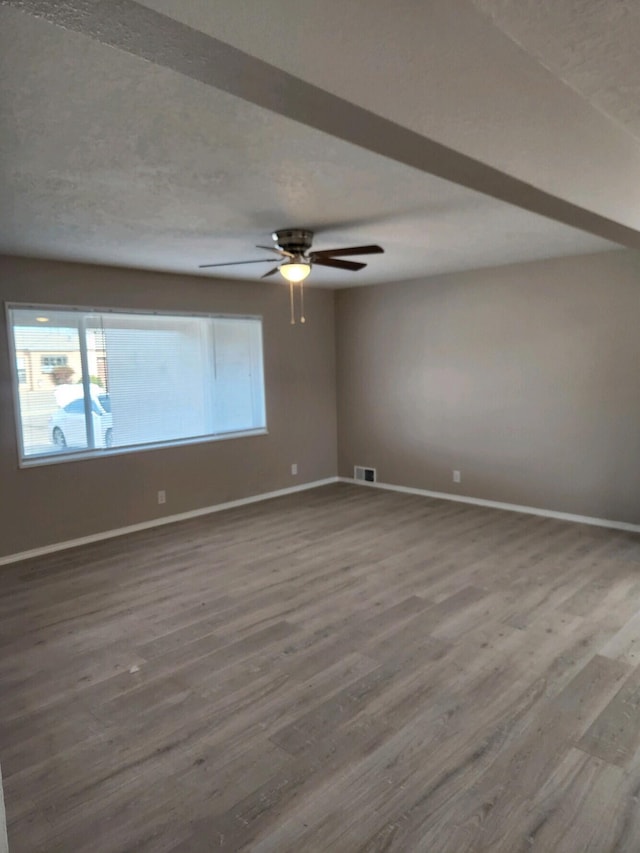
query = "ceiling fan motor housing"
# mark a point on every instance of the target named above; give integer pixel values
(295, 240)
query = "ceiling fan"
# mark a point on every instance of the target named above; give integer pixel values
(293, 245)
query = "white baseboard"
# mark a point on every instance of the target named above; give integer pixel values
(195, 513)
(158, 522)
(530, 510)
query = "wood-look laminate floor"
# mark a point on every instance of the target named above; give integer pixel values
(341, 670)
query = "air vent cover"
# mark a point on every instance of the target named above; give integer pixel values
(364, 475)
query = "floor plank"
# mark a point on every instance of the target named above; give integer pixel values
(345, 670)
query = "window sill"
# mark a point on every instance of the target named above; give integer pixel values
(57, 458)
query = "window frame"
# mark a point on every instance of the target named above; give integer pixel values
(58, 458)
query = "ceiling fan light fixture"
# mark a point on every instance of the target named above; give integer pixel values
(293, 245)
(294, 271)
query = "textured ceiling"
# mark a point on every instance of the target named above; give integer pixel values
(445, 70)
(110, 158)
(592, 45)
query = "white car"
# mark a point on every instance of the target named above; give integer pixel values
(68, 429)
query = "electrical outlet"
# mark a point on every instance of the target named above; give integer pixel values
(162, 496)
(456, 477)
(294, 469)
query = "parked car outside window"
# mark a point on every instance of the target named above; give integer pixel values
(67, 425)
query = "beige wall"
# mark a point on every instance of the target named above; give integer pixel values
(56, 502)
(526, 378)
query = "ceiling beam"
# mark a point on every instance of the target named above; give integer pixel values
(154, 37)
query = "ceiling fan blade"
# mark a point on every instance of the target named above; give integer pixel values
(341, 265)
(271, 272)
(351, 250)
(279, 251)
(235, 263)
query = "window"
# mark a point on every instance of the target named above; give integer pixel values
(48, 362)
(112, 380)
(21, 369)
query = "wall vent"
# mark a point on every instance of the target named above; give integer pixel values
(364, 475)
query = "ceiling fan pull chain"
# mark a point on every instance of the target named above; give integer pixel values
(302, 317)
(293, 316)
